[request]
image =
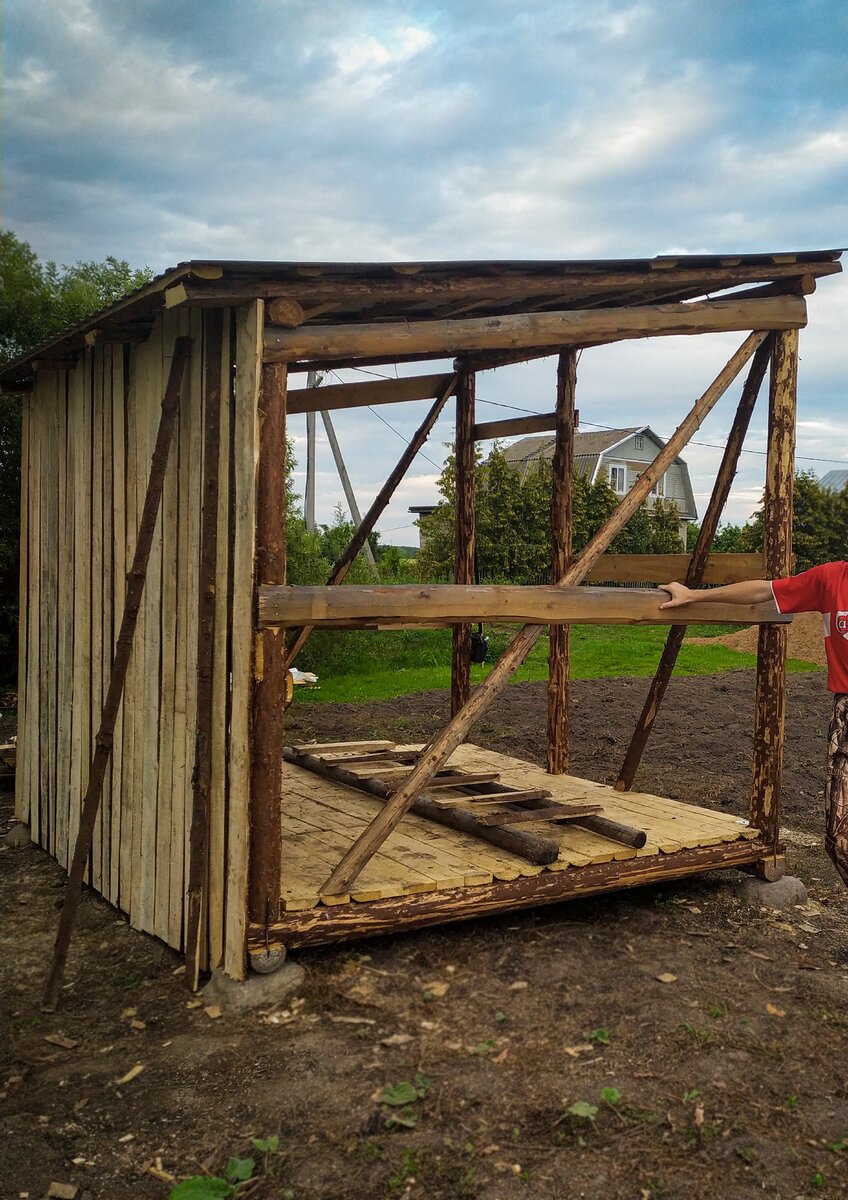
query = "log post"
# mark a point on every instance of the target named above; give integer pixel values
(345, 560)
(770, 708)
(269, 672)
(198, 862)
(697, 567)
(120, 662)
(464, 533)
(443, 745)
(561, 520)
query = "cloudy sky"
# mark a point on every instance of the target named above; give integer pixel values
(163, 130)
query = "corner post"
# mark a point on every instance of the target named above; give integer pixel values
(770, 709)
(561, 526)
(464, 532)
(269, 670)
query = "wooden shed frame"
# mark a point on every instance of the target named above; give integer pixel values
(191, 813)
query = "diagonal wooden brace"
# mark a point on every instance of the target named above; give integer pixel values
(444, 744)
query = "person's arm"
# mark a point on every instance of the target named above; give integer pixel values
(749, 591)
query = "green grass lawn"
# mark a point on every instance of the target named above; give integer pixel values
(422, 662)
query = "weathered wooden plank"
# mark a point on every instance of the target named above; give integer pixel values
(119, 572)
(663, 568)
(561, 521)
(770, 703)
(269, 675)
(455, 603)
(32, 759)
(221, 670)
(96, 614)
(107, 351)
(199, 839)
(377, 391)
(64, 601)
(464, 533)
(22, 798)
(166, 851)
(81, 715)
(571, 326)
(514, 427)
(130, 781)
(245, 450)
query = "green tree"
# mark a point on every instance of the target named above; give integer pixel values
(819, 531)
(37, 300)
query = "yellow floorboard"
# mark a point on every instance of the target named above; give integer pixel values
(321, 819)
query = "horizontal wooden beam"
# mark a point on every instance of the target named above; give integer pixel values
(336, 923)
(662, 568)
(494, 286)
(514, 427)
(327, 607)
(375, 391)
(537, 329)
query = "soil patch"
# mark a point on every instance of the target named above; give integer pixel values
(806, 640)
(722, 1082)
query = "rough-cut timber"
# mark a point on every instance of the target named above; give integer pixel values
(198, 868)
(770, 705)
(381, 501)
(464, 534)
(571, 327)
(404, 604)
(443, 745)
(696, 569)
(341, 922)
(561, 520)
(660, 568)
(269, 675)
(374, 391)
(515, 427)
(103, 740)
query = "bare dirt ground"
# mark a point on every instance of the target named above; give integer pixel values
(728, 1081)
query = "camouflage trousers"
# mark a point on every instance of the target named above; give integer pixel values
(836, 788)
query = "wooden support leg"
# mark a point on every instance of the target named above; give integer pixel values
(269, 685)
(770, 707)
(345, 560)
(123, 649)
(697, 566)
(464, 534)
(443, 745)
(561, 519)
(198, 867)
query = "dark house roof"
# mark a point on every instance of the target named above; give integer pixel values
(342, 293)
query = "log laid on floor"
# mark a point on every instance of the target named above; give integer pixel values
(569, 327)
(443, 745)
(535, 849)
(544, 604)
(553, 812)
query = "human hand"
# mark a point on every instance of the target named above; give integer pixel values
(679, 593)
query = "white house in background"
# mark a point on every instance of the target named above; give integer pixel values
(618, 456)
(836, 480)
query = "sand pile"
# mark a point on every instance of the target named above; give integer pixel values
(806, 639)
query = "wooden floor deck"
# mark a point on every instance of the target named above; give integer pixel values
(321, 819)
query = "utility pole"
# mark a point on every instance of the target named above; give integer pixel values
(313, 379)
(356, 515)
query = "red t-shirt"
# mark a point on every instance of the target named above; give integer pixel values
(822, 589)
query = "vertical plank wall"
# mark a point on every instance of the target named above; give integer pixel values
(88, 436)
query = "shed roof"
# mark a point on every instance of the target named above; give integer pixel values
(351, 292)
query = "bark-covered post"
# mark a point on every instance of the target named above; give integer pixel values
(269, 682)
(464, 533)
(561, 522)
(777, 559)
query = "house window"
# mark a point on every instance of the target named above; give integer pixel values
(640, 442)
(659, 487)
(618, 479)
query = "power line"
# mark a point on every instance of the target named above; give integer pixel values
(401, 436)
(839, 462)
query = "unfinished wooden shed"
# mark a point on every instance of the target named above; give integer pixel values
(340, 841)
